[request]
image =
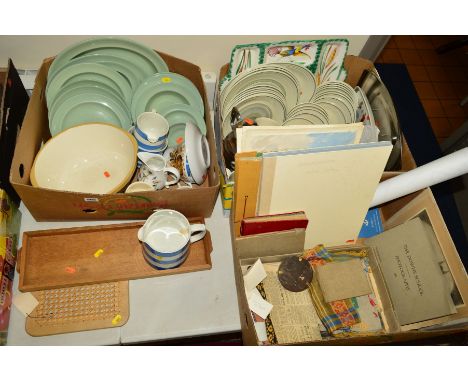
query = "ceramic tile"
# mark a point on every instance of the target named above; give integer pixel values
(445, 90)
(456, 74)
(438, 41)
(411, 57)
(437, 74)
(391, 43)
(425, 90)
(430, 57)
(404, 42)
(452, 108)
(454, 58)
(392, 56)
(461, 89)
(456, 122)
(417, 73)
(441, 126)
(422, 42)
(433, 108)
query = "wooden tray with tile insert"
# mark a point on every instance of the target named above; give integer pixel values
(61, 258)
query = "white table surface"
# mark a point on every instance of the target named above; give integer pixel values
(167, 307)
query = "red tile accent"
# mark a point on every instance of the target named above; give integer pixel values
(433, 108)
(417, 73)
(425, 90)
(452, 108)
(411, 57)
(404, 42)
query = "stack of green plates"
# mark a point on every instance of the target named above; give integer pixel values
(94, 81)
(174, 97)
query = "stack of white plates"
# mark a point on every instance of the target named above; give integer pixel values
(286, 93)
(268, 90)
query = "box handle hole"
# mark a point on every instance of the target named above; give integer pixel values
(21, 170)
(89, 210)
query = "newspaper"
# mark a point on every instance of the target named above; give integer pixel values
(293, 315)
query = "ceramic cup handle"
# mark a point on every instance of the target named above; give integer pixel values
(197, 232)
(175, 173)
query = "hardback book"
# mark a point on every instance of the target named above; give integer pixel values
(273, 223)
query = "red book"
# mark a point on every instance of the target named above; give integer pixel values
(273, 223)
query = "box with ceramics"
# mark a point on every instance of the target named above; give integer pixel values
(121, 119)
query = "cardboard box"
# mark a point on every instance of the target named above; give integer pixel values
(45, 204)
(393, 213)
(355, 67)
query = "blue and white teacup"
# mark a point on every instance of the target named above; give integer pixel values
(166, 237)
(151, 132)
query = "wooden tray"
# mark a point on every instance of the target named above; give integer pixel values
(62, 258)
(76, 309)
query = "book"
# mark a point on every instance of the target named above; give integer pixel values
(334, 186)
(410, 260)
(273, 223)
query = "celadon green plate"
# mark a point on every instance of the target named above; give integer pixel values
(141, 55)
(88, 71)
(124, 67)
(177, 116)
(85, 84)
(77, 89)
(155, 98)
(176, 79)
(88, 108)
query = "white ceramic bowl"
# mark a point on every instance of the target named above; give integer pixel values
(91, 158)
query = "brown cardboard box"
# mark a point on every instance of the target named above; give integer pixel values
(393, 213)
(355, 67)
(45, 204)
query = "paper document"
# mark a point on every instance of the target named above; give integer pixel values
(253, 277)
(293, 315)
(25, 303)
(258, 305)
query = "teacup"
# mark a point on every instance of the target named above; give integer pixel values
(151, 132)
(166, 237)
(154, 170)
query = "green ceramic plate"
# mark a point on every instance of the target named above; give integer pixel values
(84, 84)
(88, 108)
(77, 89)
(141, 55)
(85, 72)
(178, 116)
(177, 79)
(149, 97)
(124, 67)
